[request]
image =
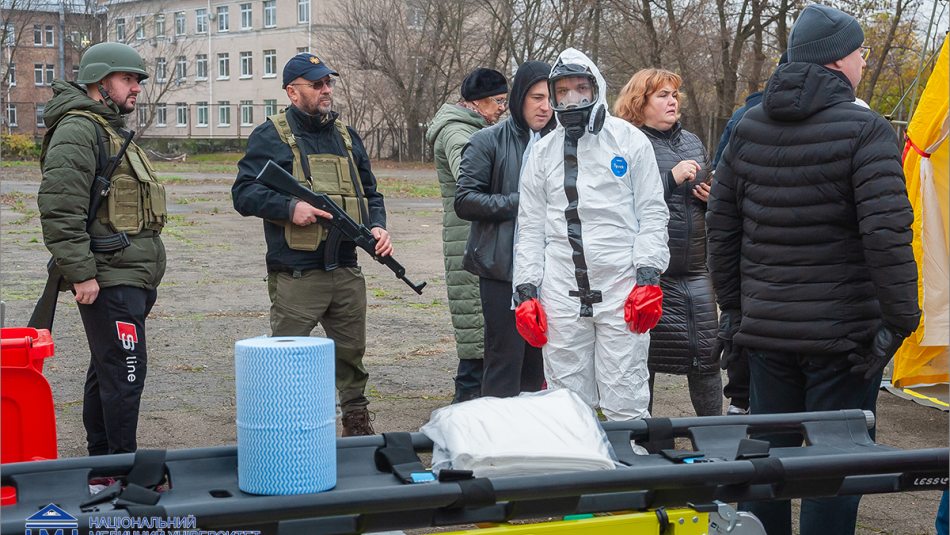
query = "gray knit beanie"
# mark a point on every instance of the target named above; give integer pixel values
(823, 35)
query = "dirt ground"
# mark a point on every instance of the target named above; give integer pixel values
(214, 294)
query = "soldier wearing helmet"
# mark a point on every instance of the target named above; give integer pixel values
(111, 260)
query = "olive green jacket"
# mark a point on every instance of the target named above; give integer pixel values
(68, 161)
(450, 130)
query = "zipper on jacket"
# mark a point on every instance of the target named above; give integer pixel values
(690, 324)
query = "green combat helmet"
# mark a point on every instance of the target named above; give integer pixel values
(104, 59)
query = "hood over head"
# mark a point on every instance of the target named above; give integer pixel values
(449, 114)
(529, 73)
(797, 91)
(599, 109)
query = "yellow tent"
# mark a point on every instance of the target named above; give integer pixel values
(924, 359)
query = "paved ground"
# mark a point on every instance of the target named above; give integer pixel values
(214, 294)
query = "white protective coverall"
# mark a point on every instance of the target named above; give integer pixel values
(623, 217)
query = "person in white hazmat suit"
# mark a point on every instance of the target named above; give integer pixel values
(591, 246)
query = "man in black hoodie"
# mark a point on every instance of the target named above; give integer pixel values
(487, 195)
(809, 230)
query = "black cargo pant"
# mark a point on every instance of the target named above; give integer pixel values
(115, 329)
(512, 365)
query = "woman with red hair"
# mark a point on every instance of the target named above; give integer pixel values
(681, 343)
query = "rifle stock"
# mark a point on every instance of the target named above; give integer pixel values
(276, 178)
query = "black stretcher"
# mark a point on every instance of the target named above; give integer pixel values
(838, 458)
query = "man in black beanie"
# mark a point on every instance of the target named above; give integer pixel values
(484, 99)
(487, 195)
(809, 230)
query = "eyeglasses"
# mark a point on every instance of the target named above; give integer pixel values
(503, 102)
(865, 52)
(318, 85)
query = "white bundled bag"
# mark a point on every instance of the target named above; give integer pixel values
(532, 434)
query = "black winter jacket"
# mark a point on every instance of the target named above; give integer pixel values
(682, 341)
(314, 136)
(809, 222)
(487, 191)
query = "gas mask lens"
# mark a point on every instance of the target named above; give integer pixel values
(573, 92)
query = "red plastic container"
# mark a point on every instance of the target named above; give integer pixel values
(27, 416)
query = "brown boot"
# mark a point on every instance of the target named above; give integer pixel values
(357, 423)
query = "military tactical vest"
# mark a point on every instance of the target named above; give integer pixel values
(332, 174)
(136, 200)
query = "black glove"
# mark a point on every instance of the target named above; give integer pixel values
(873, 358)
(723, 350)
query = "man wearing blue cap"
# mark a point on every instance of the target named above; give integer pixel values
(809, 230)
(309, 140)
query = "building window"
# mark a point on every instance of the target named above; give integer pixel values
(224, 20)
(201, 67)
(224, 66)
(247, 66)
(50, 40)
(303, 49)
(75, 72)
(10, 32)
(224, 113)
(120, 30)
(180, 23)
(270, 106)
(37, 74)
(181, 68)
(246, 21)
(50, 74)
(201, 113)
(270, 13)
(161, 114)
(181, 114)
(11, 75)
(140, 27)
(247, 113)
(142, 113)
(270, 63)
(415, 17)
(303, 11)
(201, 20)
(11, 114)
(160, 25)
(160, 73)
(37, 35)
(40, 111)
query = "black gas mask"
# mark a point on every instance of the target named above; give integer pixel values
(574, 94)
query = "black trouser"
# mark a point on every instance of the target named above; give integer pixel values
(795, 382)
(511, 364)
(115, 329)
(737, 388)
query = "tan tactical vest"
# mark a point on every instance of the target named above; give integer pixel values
(136, 199)
(330, 174)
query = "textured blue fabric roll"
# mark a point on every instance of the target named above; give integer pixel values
(286, 415)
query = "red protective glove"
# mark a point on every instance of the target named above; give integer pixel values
(643, 308)
(531, 322)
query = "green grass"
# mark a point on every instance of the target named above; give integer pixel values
(435, 303)
(400, 187)
(19, 163)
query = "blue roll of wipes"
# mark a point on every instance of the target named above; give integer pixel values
(286, 415)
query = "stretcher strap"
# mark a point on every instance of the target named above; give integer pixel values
(659, 429)
(147, 472)
(148, 468)
(767, 470)
(476, 493)
(398, 456)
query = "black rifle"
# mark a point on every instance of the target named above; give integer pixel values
(276, 178)
(45, 309)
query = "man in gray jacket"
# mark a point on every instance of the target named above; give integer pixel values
(488, 196)
(484, 100)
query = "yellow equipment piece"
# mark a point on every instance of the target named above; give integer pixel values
(681, 522)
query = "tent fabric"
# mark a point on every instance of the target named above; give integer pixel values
(925, 358)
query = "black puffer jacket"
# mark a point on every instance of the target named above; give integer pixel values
(487, 191)
(682, 340)
(809, 221)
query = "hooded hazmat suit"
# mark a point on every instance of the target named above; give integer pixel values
(621, 219)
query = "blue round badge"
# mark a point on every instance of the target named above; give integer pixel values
(618, 165)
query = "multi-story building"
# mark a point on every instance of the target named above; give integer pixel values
(215, 65)
(41, 41)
